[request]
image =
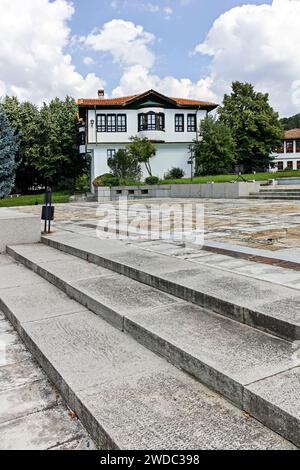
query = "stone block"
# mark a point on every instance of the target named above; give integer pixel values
(16, 228)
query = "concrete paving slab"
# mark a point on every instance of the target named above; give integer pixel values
(5, 326)
(4, 260)
(222, 353)
(19, 374)
(40, 431)
(75, 269)
(77, 444)
(15, 275)
(27, 399)
(125, 295)
(93, 351)
(11, 350)
(39, 300)
(184, 415)
(282, 393)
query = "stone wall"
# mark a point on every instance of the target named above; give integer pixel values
(209, 190)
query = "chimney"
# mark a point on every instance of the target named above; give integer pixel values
(101, 94)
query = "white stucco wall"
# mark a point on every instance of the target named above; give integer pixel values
(168, 156)
(169, 135)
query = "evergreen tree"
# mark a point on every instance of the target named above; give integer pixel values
(8, 150)
(24, 118)
(255, 126)
(216, 152)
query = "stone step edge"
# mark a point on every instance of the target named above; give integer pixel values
(95, 429)
(229, 388)
(253, 318)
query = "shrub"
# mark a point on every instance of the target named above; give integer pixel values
(152, 180)
(82, 183)
(106, 180)
(174, 174)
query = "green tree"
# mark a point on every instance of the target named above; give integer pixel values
(56, 155)
(125, 166)
(292, 122)
(24, 117)
(216, 152)
(255, 126)
(142, 149)
(8, 151)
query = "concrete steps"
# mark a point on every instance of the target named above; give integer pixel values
(277, 193)
(260, 304)
(245, 365)
(125, 395)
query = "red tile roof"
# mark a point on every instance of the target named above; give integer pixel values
(125, 99)
(193, 102)
(110, 101)
(292, 134)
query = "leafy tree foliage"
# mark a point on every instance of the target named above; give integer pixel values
(48, 152)
(292, 122)
(125, 165)
(8, 150)
(216, 152)
(255, 126)
(142, 149)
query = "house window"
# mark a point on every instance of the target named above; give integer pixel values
(111, 153)
(111, 123)
(289, 146)
(280, 166)
(179, 122)
(298, 146)
(122, 123)
(290, 165)
(191, 123)
(151, 122)
(298, 165)
(101, 123)
(142, 122)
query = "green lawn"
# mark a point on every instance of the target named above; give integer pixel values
(31, 200)
(229, 178)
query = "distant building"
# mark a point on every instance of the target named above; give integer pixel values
(288, 155)
(171, 123)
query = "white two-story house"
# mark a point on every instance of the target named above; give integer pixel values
(287, 157)
(106, 125)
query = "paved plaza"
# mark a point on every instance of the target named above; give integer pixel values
(261, 224)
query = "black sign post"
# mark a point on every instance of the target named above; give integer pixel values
(48, 210)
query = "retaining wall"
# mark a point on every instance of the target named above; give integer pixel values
(209, 190)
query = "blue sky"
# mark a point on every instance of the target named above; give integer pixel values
(184, 48)
(176, 36)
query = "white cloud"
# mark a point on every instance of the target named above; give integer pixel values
(126, 42)
(137, 79)
(130, 47)
(33, 64)
(88, 61)
(258, 44)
